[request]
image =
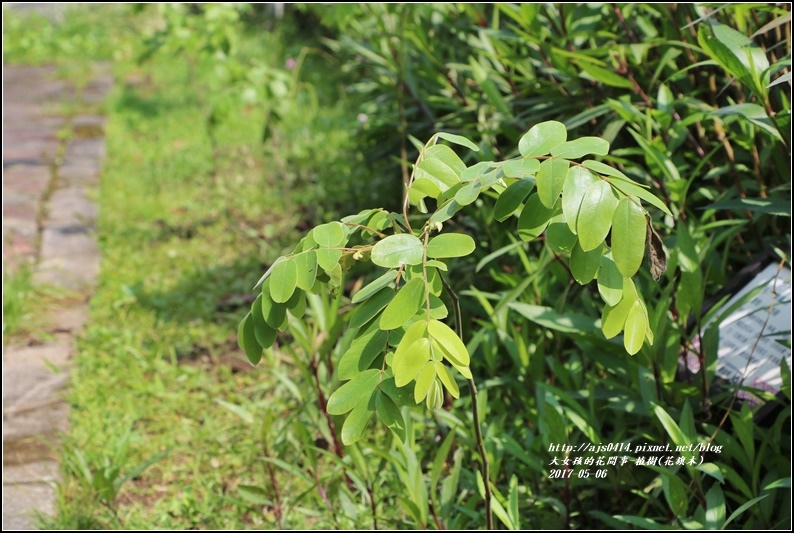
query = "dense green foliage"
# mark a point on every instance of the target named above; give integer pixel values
(685, 97)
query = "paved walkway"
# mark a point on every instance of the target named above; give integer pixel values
(49, 226)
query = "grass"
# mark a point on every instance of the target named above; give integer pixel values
(158, 379)
(179, 246)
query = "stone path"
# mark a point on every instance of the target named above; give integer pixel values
(49, 220)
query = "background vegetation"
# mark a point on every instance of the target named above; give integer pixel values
(232, 132)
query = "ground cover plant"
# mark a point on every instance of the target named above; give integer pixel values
(684, 98)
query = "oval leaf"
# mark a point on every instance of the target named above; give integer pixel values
(550, 179)
(362, 352)
(450, 245)
(534, 218)
(541, 138)
(356, 422)
(371, 307)
(628, 237)
(397, 250)
(458, 139)
(577, 183)
(423, 382)
(306, 265)
(404, 305)
(581, 147)
(613, 318)
(610, 280)
(511, 198)
(246, 340)
(411, 361)
(354, 392)
(584, 265)
(450, 344)
(330, 235)
(595, 215)
(374, 286)
(634, 331)
(283, 281)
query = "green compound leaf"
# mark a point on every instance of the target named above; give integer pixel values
(283, 281)
(328, 258)
(613, 318)
(628, 236)
(274, 313)
(468, 193)
(423, 382)
(404, 305)
(632, 189)
(606, 170)
(356, 422)
(437, 172)
(634, 331)
(356, 391)
(373, 287)
(410, 361)
(511, 198)
(584, 265)
(577, 183)
(447, 210)
(390, 414)
(595, 215)
(246, 339)
(306, 265)
(581, 147)
(331, 235)
(559, 237)
(367, 311)
(446, 378)
(610, 280)
(397, 250)
(362, 352)
(449, 343)
(534, 218)
(459, 140)
(541, 138)
(446, 155)
(265, 335)
(550, 179)
(435, 396)
(450, 245)
(523, 168)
